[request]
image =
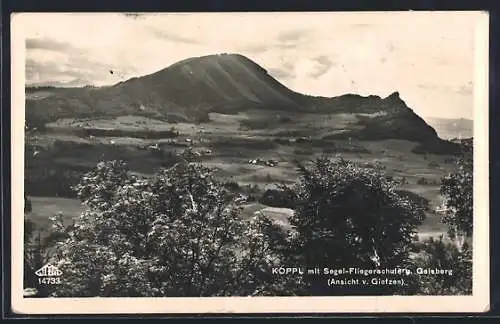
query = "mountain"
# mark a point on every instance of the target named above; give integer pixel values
(189, 90)
(185, 91)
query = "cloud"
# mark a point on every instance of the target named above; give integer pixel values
(255, 49)
(292, 35)
(48, 44)
(58, 74)
(283, 41)
(162, 34)
(286, 64)
(77, 70)
(324, 66)
(464, 89)
(279, 73)
(285, 46)
(427, 86)
(290, 39)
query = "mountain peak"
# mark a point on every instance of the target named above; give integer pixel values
(209, 58)
(393, 96)
(217, 80)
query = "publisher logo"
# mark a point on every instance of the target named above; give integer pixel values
(48, 270)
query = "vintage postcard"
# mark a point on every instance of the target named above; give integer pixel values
(298, 162)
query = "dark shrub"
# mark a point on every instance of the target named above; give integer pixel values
(277, 198)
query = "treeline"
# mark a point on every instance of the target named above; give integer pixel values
(54, 182)
(101, 132)
(265, 123)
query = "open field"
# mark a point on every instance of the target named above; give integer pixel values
(46, 207)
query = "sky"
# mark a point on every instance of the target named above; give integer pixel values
(428, 58)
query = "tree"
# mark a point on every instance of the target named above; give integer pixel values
(27, 205)
(456, 255)
(350, 216)
(178, 233)
(457, 190)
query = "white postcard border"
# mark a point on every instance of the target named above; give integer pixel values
(478, 302)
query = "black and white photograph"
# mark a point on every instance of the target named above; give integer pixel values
(255, 158)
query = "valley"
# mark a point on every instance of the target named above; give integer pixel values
(223, 144)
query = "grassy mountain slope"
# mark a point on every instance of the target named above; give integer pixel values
(189, 90)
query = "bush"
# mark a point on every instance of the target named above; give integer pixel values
(422, 202)
(433, 164)
(176, 234)
(232, 186)
(423, 181)
(37, 253)
(438, 254)
(56, 181)
(281, 198)
(349, 216)
(253, 192)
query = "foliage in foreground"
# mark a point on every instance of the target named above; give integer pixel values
(176, 234)
(436, 253)
(180, 233)
(351, 216)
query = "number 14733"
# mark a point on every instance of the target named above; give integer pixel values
(49, 281)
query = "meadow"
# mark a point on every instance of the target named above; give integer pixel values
(226, 143)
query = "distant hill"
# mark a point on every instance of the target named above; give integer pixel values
(189, 90)
(452, 128)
